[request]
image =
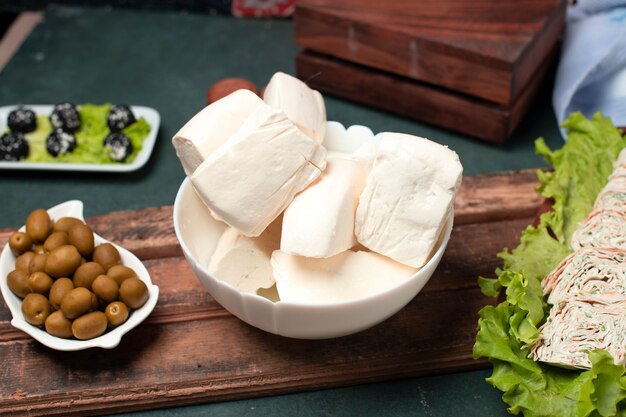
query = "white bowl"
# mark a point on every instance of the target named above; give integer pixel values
(109, 339)
(198, 234)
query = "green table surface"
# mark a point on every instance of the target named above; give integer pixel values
(168, 60)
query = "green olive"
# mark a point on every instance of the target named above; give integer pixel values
(17, 280)
(87, 273)
(95, 303)
(58, 325)
(55, 240)
(81, 236)
(38, 225)
(117, 313)
(106, 255)
(76, 302)
(120, 272)
(64, 224)
(105, 288)
(35, 309)
(59, 289)
(19, 243)
(40, 282)
(22, 261)
(90, 325)
(63, 261)
(37, 263)
(133, 292)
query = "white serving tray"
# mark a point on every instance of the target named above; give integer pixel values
(151, 115)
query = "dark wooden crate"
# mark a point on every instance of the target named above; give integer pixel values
(490, 49)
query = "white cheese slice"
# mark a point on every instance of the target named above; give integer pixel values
(249, 180)
(245, 261)
(211, 127)
(344, 277)
(303, 105)
(408, 196)
(319, 222)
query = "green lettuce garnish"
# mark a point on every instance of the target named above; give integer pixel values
(581, 168)
(89, 138)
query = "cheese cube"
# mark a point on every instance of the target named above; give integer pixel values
(245, 261)
(408, 196)
(344, 277)
(320, 220)
(249, 180)
(211, 127)
(302, 105)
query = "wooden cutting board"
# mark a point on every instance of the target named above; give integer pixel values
(191, 350)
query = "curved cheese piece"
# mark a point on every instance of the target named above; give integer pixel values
(601, 229)
(407, 198)
(587, 272)
(245, 261)
(579, 326)
(249, 180)
(344, 277)
(212, 127)
(302, 105)
(319, 222)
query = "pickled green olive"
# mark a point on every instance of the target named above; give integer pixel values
(64, 224)
(40, 282)
(120, 272)
(89, 325)
(38, 225)
(133, 292)
(117, 313)
(35, 309)
(59, 289)
(63, 261)
(37, 263)
(81, 237)
(106, 255)
(55, 240)
(58, 325)
(105, 288)
(76, 302)
(87, 273)
(19, 243)
(23, 260)
(17, 280)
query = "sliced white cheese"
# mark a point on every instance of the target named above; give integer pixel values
(344, 277)
(245, 261)
(408, 196)
(319, 222)
(303, 105)
(211, 127)
(249, 180)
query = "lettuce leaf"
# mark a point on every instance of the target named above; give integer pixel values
(581, 169)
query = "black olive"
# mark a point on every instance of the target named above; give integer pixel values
(119, 146)
(13, 147)
(22, 120)
(65, 116)
(60, 143)
(120, 117)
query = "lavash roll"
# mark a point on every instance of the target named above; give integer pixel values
(579, 326)
(601, 229)
(588, 272)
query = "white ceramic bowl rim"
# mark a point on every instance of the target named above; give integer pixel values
(108, 340)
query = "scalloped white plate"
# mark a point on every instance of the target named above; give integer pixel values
(108, 340)
(151, 115)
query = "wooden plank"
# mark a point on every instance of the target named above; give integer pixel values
(487, 48)
(191, 350)
(417, 100)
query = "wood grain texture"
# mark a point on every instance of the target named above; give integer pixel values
(485, 120)
(191, 350)
(486, 48)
